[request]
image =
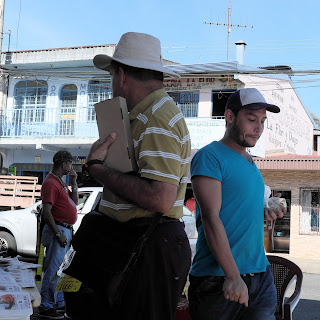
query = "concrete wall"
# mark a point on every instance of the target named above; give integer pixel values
(205, 104)
(291, 130)
(3, 90)
(301, 245)
(55, 55)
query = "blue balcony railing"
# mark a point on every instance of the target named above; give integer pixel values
(48, 122)
(34, 122)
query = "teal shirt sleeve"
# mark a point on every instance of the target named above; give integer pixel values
(205, 163)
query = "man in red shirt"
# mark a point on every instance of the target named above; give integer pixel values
(191, 204)
(60, 214)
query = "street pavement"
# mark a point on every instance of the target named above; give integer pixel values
(308, 307)
(306, 265)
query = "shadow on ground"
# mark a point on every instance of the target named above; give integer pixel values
(307, 310)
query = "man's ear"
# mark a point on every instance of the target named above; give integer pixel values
(229, 116)
(123, 77)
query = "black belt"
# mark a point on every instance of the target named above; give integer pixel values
(217, 278)
(64, 224)
(144, 221)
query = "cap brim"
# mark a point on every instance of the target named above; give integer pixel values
(257, 106)
(103, 62)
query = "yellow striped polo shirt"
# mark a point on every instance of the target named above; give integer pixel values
(162, 151)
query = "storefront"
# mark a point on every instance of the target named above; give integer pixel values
(298, 178)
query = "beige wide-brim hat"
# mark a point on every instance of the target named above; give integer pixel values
(138, 50)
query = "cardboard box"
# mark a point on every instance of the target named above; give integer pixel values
(112, 116)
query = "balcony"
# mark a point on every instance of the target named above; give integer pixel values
(77, 127)
(48, 122)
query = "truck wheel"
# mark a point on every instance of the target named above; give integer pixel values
(8, 246)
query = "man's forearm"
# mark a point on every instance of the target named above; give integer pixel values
(149, 194)
(74, 195)
(219, 245)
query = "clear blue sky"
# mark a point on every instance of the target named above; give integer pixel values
(285, 32)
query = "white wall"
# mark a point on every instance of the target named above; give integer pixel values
(291, 130)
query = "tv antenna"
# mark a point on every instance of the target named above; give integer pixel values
(228, 25)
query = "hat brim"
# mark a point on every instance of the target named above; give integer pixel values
(103, 62)
(257, 106)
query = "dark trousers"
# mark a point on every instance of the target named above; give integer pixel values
(155, 288)
(207, 302)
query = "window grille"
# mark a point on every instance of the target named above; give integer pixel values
(309, 214)
(188, 102)
(30, 101)
(97, 91)
(68, 109)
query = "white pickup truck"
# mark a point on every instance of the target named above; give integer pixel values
(18, 228)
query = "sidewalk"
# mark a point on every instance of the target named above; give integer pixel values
(306, 265)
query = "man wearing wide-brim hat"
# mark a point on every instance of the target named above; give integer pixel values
(162, 151)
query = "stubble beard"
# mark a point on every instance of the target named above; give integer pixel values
(236, 135)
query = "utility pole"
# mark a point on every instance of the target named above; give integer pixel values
(228, 25)
(2, 76)
(1, 22)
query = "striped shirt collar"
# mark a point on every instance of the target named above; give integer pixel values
(143, 105)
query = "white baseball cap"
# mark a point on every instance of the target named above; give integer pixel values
(249, 98)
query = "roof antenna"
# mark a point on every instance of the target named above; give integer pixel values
(229, 25)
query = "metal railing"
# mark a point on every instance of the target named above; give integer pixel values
(189, 110)
(33, 122)
(48, 122)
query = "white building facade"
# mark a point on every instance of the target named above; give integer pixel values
(49, 100)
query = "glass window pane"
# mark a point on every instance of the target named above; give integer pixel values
(71, 87)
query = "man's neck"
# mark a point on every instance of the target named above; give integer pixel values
(57, 172)
(140, 90)
(232, 144)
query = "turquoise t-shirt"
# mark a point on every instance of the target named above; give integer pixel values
(241, 210)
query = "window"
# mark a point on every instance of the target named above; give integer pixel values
(68, 109)
(188, 102)
(97, 91)
(309, 214)
(219, 101)
(281, 231)
(82, 198)
(30, 101)
(315, 143)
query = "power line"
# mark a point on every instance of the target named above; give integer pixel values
(264, 42)
(252, 44)
(255, 46)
